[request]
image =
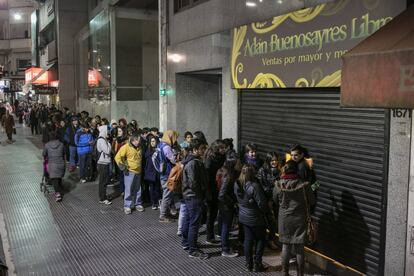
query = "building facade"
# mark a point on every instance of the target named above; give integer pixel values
(99, 56)
(361, 155)
(15, 46)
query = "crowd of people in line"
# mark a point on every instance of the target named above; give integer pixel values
(192, 181)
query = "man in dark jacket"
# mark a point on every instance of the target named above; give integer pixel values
(195, 192)
(70, 140)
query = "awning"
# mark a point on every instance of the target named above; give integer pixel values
(379, 72)
(35, 77)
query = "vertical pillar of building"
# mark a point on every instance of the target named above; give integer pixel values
(163, 32)
(409, 255)
(112, 23)
(398, 180)
(71, 16)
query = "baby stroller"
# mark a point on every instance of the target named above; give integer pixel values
(44, 184)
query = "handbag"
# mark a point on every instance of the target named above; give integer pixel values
(311, 230)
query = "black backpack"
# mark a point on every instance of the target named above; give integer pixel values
(95, 153)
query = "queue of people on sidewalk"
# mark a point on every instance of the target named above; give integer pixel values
(211, 183)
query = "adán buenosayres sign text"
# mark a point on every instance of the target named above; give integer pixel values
(304, 48)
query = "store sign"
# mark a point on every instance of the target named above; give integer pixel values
(54, 83)
(304, 48)
(93, 78)
(33, 73)
(46, 91)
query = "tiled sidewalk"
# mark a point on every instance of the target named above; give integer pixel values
(80, 237)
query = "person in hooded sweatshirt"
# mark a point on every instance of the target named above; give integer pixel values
(104, 151)
(54, 151)
(293, 196)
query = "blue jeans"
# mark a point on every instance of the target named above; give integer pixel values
(167, 199)
(226, 222)
(85, 162)
(72, 156)
(191, 223)
(251, 234)
(132, 195)
(182, 215)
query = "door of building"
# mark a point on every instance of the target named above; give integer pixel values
(349, 148)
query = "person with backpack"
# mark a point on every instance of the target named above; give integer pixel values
(84, 143)
(102, 153)
(151, 176)
(164, 159)
(252, 214)
(195, 192)
(129, 160)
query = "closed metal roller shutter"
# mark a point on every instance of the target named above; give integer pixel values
(349, 148)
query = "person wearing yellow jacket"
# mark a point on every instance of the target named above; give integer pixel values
(129, 160)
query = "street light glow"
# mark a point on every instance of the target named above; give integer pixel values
(17, 16)
(251, 4)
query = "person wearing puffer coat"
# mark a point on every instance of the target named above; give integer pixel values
(253, 209)
(54, 152)
(104, 149)
(84, 143)
(293, 197)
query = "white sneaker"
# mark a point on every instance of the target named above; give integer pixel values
(83, 181)
(140, 208)
(106, 202)
(127, 211)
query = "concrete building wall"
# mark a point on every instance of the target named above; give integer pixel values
(190, 89)
(71, 17)
(397, 199)
(409, 252)
(215, 16)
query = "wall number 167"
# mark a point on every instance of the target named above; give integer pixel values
(401, 113)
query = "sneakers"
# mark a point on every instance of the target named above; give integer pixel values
(58, 197)
(83, 180)
(127, 211)
(186, 248)
(154, 207)
(198, 255)
(173, 211)
(106, 202)
(229, 254)
(165, 220)
(179, 234)
(212, 242)
(140, 208)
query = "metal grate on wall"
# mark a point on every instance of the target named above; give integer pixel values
(349, 150)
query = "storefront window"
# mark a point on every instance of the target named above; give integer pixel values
(94, 59)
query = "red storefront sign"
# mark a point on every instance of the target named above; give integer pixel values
(41, 76)
(93, 78)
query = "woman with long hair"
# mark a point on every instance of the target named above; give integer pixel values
(267, 176)
(225, 178)
(151, 176)
(213, 160)
(252, 213)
